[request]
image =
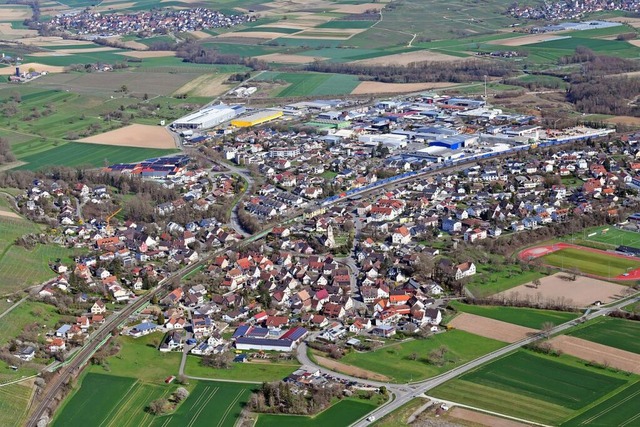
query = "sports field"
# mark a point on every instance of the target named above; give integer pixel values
(609, 235)
(527, 317)
(395, 360)
(591, 262)
(532, 387)
(618, 333)
(342, 413)
(622, 409)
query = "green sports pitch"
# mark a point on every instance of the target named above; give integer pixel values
(591, 262)
(609, 235)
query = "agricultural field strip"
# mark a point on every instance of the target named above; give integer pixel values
(230, 408)
(611, 407)
(109, 418)
(203, 400)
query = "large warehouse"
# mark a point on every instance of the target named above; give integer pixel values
(208, 117)
(257, 118)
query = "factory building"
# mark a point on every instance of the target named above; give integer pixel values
(208, 117)
(257, 118)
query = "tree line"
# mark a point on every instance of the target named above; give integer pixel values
(418, 72)
(281, 398)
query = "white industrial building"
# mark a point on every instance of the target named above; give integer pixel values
(208, 117)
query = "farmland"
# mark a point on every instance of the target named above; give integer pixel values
(267, 371)
(395, 360)
(344, 412)
(527, 317)
(14, 400)
(209, 404)
(534, 387)
(312, 84)
(596, 263)
(618, 333)
(620, 409)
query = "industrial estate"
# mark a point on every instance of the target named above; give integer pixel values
(323, 213)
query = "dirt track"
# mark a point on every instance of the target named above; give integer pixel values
(490, 328)
(591, 351)
(144, 136)
(350, 370)
(581, 292)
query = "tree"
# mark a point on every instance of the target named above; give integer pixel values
(181, 394)
(537, 283)
(161, 319)
(124, 89)
(546, 328)
(159, 406)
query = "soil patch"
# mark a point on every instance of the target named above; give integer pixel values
(144, 136)
(490, 328)
(378, 87)
(9, 214)
(7, 30)
(350, 370)
(149, 54)
(603, 354)
(625, 120)
(53, 41)
(524, 40)
(36, 66)
(482, 419)
(408, 58)
(14, 12)
(132, 44)
(251, 35)
(205, 85)
(582, 292)
(284, 58)
(90, 50)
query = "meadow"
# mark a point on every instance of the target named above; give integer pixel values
(492, 279)
(25, 314)
(618, 333)
(533, 387)
(621, 409)
(394, 360)
(527, 317)
(599, 264)
(250, 371)
(342, 413)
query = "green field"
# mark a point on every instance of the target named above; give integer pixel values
(209, 404)
(92, 155)
(14, 403)
(492, 279)
(139, 358)
(342, 413)
(394, 360)
(532, 387)
(618, 333)
(312, 84)
(527, 317)
(622, 409)
(599, 264)
(28, 313)
(109, 400)
(258, 372)
(613, 236)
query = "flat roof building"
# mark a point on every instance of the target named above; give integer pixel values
(208, 117)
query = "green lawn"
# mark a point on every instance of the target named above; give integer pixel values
(598, 264)
(622, 409)
(140, 358)
(96, 155)
(342, 413)
(492, 279)
(528, 317)
(28, 313)
(394, 360)
(258, 372)
(533, 387)
(618, 333)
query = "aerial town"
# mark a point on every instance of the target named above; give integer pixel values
(209, 217)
